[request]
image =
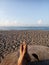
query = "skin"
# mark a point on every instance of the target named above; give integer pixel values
(24, 56)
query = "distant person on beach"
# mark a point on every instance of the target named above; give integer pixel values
(24, 56)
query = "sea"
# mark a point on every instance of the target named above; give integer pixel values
(23, 28)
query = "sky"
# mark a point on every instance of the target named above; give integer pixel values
(24, 12)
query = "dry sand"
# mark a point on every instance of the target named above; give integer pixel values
(41, 51)
(10, 42)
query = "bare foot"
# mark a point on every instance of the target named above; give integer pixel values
(23, 54)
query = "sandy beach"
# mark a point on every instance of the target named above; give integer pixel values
(10, 40)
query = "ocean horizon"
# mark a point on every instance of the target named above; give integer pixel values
(23, 28)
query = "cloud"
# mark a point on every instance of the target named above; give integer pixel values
(39, 22)
(7, 22)
(14, 22)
